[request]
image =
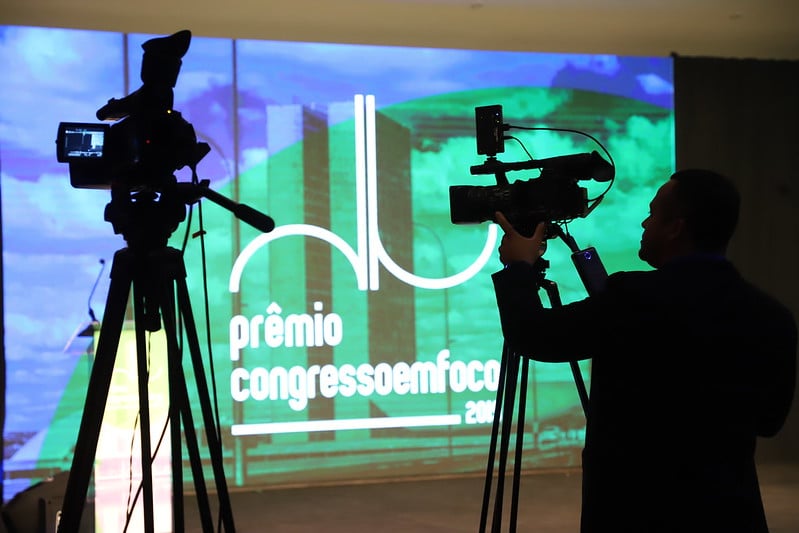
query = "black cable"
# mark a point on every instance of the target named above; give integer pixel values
(206, 306)
(511, 137)
(129, 505)
(578, 132)
(207, 313)
(567, 130)
(141, 483)
(132, 505)
(188, 230)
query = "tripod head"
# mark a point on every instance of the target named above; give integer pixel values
(540, 272)
(146, 217)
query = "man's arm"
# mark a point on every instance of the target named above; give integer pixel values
(544, 334)
(519, 303)
(555, 335)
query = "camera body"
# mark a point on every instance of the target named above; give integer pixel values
(148, 140)
(548, 198)
(141, 150)
(554, 196)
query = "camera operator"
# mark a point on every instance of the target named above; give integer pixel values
(690, 364)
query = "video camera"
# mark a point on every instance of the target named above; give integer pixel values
(148, 141)
(554, 196)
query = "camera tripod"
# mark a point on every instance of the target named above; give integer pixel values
(593, 275)
(157, 276)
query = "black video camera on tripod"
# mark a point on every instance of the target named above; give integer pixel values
(149, 139)
(135, 157)
(553, 198)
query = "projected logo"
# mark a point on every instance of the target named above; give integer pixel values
(359, 371)
(369, 252)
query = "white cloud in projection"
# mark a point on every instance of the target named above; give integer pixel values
(52, 234)
(52, 82)
(354, 60)
(397, 74)
(52, 207)
(207, 62)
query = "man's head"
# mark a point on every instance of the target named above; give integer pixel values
(695, 211)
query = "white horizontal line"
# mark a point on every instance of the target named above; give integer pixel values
(238, 430)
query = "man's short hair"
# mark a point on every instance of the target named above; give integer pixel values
(709, 202)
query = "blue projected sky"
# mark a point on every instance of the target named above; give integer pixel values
(66, 75)
(55, 236)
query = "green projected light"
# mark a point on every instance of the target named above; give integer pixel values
(359, 339)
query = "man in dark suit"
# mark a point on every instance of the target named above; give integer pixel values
(690, 364)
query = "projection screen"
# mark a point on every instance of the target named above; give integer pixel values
(357, 340)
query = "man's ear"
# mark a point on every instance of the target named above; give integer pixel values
(677, 229)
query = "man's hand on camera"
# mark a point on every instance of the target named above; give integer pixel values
(515, 246)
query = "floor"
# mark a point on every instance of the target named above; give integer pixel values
(548, 503)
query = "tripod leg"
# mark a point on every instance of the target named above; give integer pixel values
(492, 447)
(553, 294)
(180, 410)
(507, 422)
(211, 430)
(97, 394)
(194, 458)
(517, 465)
(144, 408)
(580, 384)
(178, 518)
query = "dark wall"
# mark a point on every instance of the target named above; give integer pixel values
(740, 117)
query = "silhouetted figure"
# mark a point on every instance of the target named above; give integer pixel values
(690, 364)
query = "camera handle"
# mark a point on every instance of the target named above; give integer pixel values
(494, 166)
(593, 275)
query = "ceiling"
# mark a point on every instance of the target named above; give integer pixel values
(766, 29)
